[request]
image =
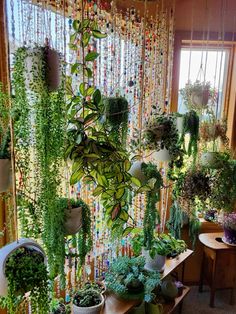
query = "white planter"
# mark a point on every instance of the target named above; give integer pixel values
(53, 69)
(180, 124)
(73, 221)
(210, 160)
(136, 171)
(34, 80)
(96, 309)
(5, 175)
(7, 250)
(157, 263)
(161, 155)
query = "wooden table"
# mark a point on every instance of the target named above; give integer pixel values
(113, 305)
(218, 264)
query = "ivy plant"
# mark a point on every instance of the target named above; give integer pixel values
(4, 124)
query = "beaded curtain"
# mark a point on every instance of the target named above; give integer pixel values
(135, 62)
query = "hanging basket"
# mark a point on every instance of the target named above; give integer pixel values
(7, 250)
(200, 99)
(73, 221)
(136, 171)
(154, 264)
(5, 175)
(96, 309)
(162, 155)
(53, 75)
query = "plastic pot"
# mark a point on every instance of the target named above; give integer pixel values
(96, 309)
(157, 263)
(7, 250)
(5, 175)
(73, 221)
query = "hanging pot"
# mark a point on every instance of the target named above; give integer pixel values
(229, 236)
(200, 98)
(180, 124)
(96, 309)
(34, 74)
(7, 250)
(136, 171)
(5, 175)
(154, 308)
(211, 160)
(73, 221)
(162, 155)
(53, 74)
(154, 264)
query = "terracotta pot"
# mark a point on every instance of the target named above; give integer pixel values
(73, 221)
(161, 155)
(53, 69)
(136, 171)
(157, 263)
(7, 250)
(96, 309)
(5, 175)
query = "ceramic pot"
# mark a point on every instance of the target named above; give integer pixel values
(154, 308)
(157, 263)
(229, 236)
(162, 155)
(138, 309)
(96, 309)
(53, 75)
(73, 221)
(211, 160)
(180, 124)
(7, 250)
(136, 171)
(169, 289)
(5, 175)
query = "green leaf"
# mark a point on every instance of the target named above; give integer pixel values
(127, 231)
(127, 165)
(144, 188)
(135, 181)
(76, 176)
(97, 97)
(72, 46)
(79, 139)
(98, 34)
(74, 68)
(119, 194)
(91, 56)
(98, 190)
(77, 165)
(85, 39)
(90, 90)
(89, 117)
(124, 215)
(89, 72)
(102, 180)
(76, 25)
(85, 23)
(72, 38)
(91, 155)
(82, 89)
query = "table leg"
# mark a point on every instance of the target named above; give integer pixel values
(213, 289)
(202, 273)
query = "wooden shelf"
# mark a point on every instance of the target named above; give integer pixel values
(170, 307)
(115, 305)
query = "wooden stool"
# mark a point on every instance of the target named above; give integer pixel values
(218, 264)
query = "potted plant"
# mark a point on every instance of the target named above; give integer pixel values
(196, 96)
(57, 306)
(162, 246)
(23, 270)
(88, 300)
(5, 163)
(128, 279)
(228, 222)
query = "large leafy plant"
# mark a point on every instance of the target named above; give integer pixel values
(127, 278)
(26, 272)
(97, 157)
(4, 124)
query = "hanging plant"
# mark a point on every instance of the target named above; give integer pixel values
(116, 112)
(5, 138)
(197, 96)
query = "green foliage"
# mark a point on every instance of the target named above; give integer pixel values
(128, 278)
(89, 295)
(25, 271)
(58, 307)
(175, 222)
(151, 216)
(116, 112)
(97, 157)
(5, 137)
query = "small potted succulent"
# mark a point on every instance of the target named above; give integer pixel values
(128, 279)
(228, 222)
(5, 163)
(88, 300)
(196, 96)
(162, 246)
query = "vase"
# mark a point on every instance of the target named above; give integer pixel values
(5, 175)
(73, 221)
(7, 250)
(211, 160)
(154, 264)
(162, 155)
(96, 309)
(136, 171)
(229, 236)
(53, 75)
